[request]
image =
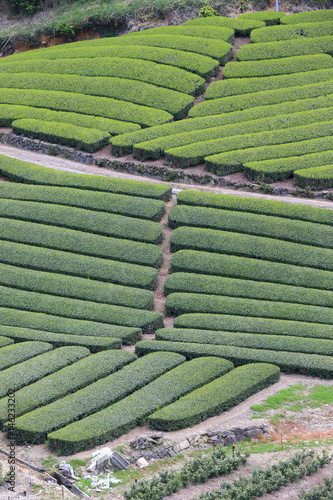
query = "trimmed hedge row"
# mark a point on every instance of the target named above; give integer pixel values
(94, 344)
(87, 139)
(254, 325)
(316, 177)
(298, 231)
(33, 369)
(181, 148)
(60, 325)
(233, 287)
(214, 398)
(77, 288)
(308, 17)
(4, 341)
(291, 31)
(65, 381)
(16, 353)
(30, 173)
(271, 67)
(160, 75)
(80, 309)
(184, 303)
(88, 105)
(237, 86)
(122, 416)
(242, 27)
(308, 364)
(45, 259)
(258, 247)
(252, 269)
(34, 426)
(286, 48)
(251, 340)
(234, 161)
(131, 206)
(255, 205)
(268, 16)
(83, 220)
(79, 242)
(282, 168)
(11, 112)
(215, 32)
(133, 91)
(123, 144)
(265, 97)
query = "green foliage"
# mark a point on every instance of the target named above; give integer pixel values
(39, 366)
(253, 269)
(291, 31)
(215, 32)
(319, 492)
(16, 353)
(215, 397)
(134, 409)
(66, 380)
(315, 177)
(207, 10)
(268, 16)
(4, 341)
(34, 426)
(30, 173)
(242, 27)
(308, 17)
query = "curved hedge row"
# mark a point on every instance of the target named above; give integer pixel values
(67, 326)
(4, 341)
(160, 75)
(297, 231)
(255, 205)
(253, 269)
(34, 426)
(234, 161)
(90, 221)
(33, 369)
(271, 67)
(77, 288)
(80, 309)
(16, 353)
(286, 48)
(132, 410)
(317, 177)
(237, 86)
(268, 16)
(11, 112)
(242, 27)
(30, 173)
(265, 97)
(67, 380)
(291, 31)
(184, 303)
(215, 32)
(45, 259)
(214, 398)
(87, 139)
(85, 104)
(308, 17)
(254, 325)
(251, 340)
(308, 364)
(133, 91)
(233, 287)
(131, 206)
(223, 137)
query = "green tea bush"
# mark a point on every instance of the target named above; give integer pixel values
(215, 397)
(298, 231)
(233, 287)
(33, 369)
(67, 380)
(4, 341)
(271, 67)
(16, 353)
(89, 399)
(313, 16)
(253, 269)
(30, 173)
(242, 27)
(322, 491)
(291, 31)
(215, 32)
(87, 139)
(255, 205)
(316, 177)
(268, 16)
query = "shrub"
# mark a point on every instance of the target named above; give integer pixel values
(255, 205)
(280, 228)
(253, 269)
(125, 414)
(39, 366)
(215, 32)
(316, 177)
(308, 17)
(89, 399)
(66, 380)
(215, 397)
(242, 27)
(289, 32)
(16, 353)
(30, 173)
(319, 492)
(271, 67)
(268, 16)
(4, 341)
(218, 285)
